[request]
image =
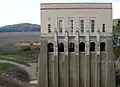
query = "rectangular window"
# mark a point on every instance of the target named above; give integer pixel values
(71, 25)
(60, 26)
(82, 25)
(92, 25)
(49, 28)
(103, 27)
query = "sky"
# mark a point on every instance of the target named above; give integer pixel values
(28, 11)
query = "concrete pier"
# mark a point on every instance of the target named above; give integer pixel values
(76, 45)
(73, 69)
(87, 60)
(43, 65)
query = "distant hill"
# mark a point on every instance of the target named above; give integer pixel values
(23, 27)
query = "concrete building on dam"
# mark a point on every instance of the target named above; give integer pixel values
(76, 45)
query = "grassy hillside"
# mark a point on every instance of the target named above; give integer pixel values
(8, 50)
(8, 39)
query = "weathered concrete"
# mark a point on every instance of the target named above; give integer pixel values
(66, 71)
(43, 65)
(92, 69)
(97, 71)
(56, 72)
(62, 69)
(75, 70)
(110, 65)
(72, 70)
(87, 58)
(51, 69)
(87, 71)
(66, 59)
(77, 58)
(102, 70)
(97, 59)
(56, 60)
(82, 69)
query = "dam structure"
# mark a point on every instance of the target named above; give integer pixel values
(76, 45)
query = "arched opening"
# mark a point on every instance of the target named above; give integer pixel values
(60, 47)
(102, 46)
(82, 47)
(71, 47)
(92, 46)
(50, 47)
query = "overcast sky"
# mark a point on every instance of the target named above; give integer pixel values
(22, 11)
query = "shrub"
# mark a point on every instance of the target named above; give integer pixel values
(25, 48)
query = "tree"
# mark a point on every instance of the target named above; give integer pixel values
(116, 29)
(116, 52)
(116, 32)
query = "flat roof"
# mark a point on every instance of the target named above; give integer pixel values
(75, 3)
(54, 6)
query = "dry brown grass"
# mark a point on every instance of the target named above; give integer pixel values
(8, 81)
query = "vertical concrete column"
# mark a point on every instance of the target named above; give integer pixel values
(66, 59)
(110, 65)
(87, 60)
(77, 59)
(56, 68)
(43, 65)
(97, 60)
(106, 68)
(56, 42)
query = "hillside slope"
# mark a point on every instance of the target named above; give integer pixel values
(23, 27)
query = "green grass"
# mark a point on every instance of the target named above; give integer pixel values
(20, 57)
(4, 67)
(15, 58)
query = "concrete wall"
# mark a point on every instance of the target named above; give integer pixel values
(76, 68)
(100, 12)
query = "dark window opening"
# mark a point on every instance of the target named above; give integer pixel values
(92, 46)
(82, 25)
(71, 47)
(50, 47)
(92, 25)
(71, 30)
(82, 47)
(60, 47)
(82, 29)
(71, 25)
(49, 28)
(60, 30)
(103, 28)
(102, 46)
(60, 25)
